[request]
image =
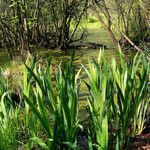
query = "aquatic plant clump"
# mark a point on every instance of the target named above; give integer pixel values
(117, 104)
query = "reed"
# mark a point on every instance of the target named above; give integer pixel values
(97, 103)
(56, 105)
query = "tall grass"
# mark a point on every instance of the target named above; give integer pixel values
(29, 118)
(97, 75)
(119, 95)
(8, 116)
(56, 105)
(130, 100)
(117, 104)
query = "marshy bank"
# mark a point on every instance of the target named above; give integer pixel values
(51, 109)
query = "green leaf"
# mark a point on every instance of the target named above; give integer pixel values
(42, 119)
(90, 145)
(71, 145)
(40, 142)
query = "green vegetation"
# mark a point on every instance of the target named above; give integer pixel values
(118, 101)
(54, 93)
(60, 106)
(25, 25)
(97, 102)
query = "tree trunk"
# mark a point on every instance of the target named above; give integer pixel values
(111, 34)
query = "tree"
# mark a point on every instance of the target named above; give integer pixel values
(102, 11)
(39, 22)
(129, 17)
(132, 19)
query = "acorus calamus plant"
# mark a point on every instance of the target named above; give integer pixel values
(118, 100)
(97, 103)
(56, 105)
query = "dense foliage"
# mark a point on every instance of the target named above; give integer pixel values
(47, 114)
(53, 23)
(47, 23)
